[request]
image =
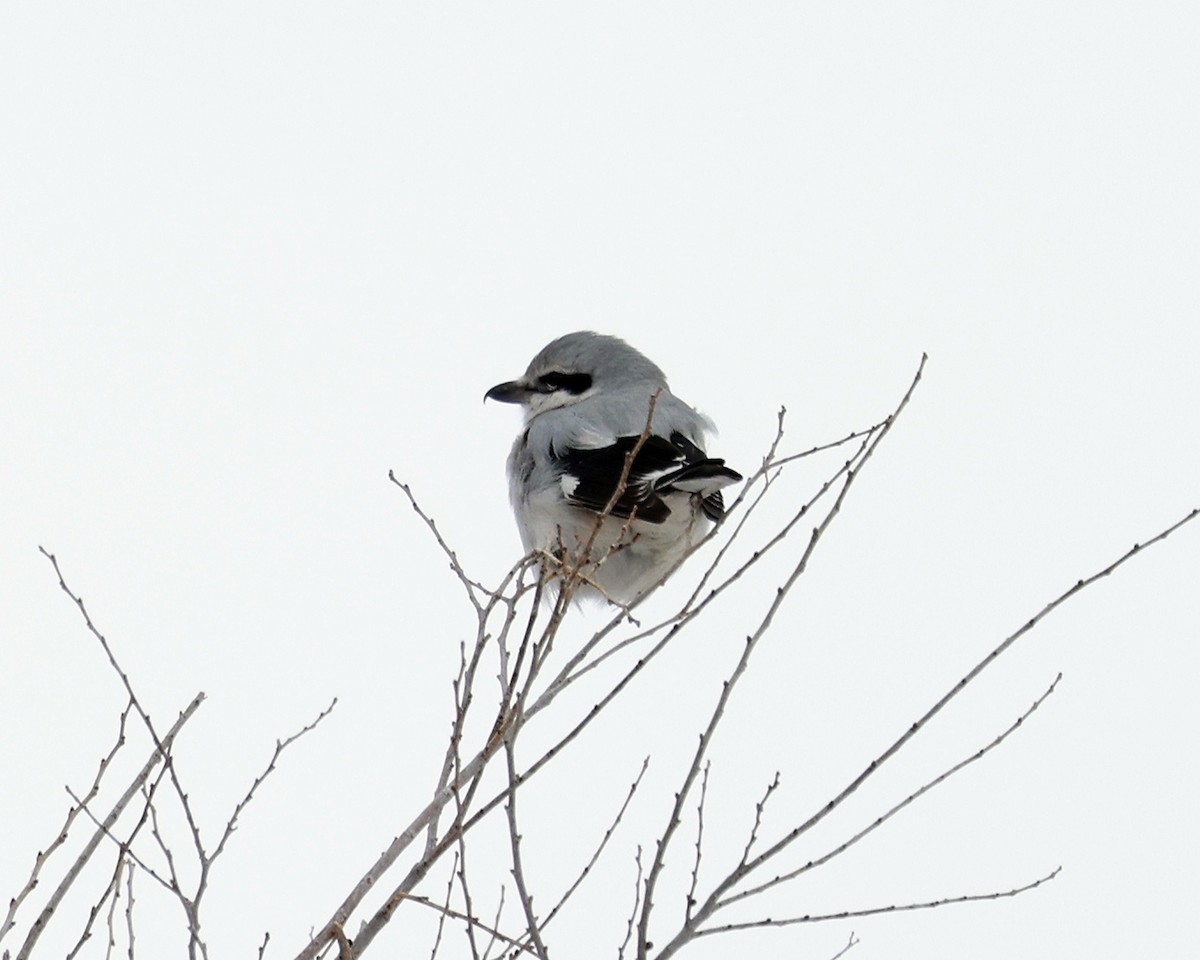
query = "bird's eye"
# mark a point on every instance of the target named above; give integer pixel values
(575, 383)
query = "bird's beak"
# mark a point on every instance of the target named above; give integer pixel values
(515, 391)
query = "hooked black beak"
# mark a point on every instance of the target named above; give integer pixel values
(512, 392)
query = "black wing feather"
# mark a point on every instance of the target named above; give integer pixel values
(660, 466)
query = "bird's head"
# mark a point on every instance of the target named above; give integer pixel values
(575, 367)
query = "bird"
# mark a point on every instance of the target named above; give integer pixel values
(592, 402)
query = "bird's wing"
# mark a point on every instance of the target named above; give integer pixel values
(591, 476)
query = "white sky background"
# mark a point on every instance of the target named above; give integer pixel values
(252, 257)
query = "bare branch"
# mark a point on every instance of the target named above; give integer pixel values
(231, 824)
(758, 813)
(729, 685)
(962, 684)
(471, 921)
(691, 894)
(129, 912)
(487, 951)
(40, 860)
(473, 768)
(612, 827)
(631, 924)
(112, 909)
(850, 944)
(524, 647)
(157, 756)
(883, 818)
(437, 942)
(470, 585)
(108, 894)
(873, 911)
(533, 928)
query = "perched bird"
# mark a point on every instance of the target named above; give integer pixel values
(588, 399)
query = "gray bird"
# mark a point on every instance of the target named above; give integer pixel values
(587, 398)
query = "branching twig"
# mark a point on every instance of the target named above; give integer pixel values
(872, 911)
(524, 647)
(156, 757)
(612, 827)
(891, 812)
(727, 689)
(631, 923)
(767, 855)
(453, 914)
(40, 860)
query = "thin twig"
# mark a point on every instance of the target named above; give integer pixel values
(608, 834)
(470, 585)
(231, 824)
(759, 808)
(471, 921)
(473, 769)
(112, 909)
(487, 950)
(718, 712)
(896, 808)
(518, 870)
(631, 923)
(437, 941)
(691, 894)
(982, 665)
(61, 837)
(852, 942)
(156, 757)
(873, 911)
(129, 914)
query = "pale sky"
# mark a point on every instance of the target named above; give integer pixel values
(253, 256)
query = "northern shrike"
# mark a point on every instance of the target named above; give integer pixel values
(587, 399)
